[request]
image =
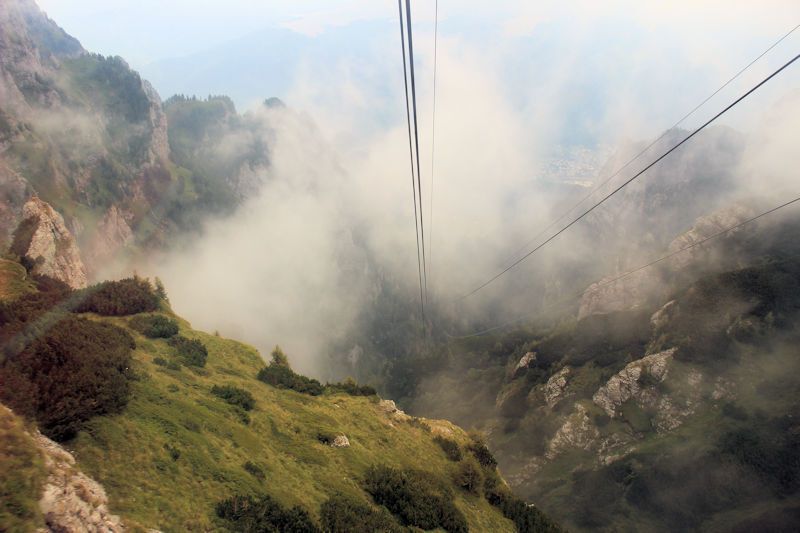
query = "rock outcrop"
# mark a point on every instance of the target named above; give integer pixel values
(44, 240)
(111, 236)
(523, 364)
(341, 441)
(703, 228)
(607, 296)
(577, 431)
(71, 501)
(555, 386)
(633, 382)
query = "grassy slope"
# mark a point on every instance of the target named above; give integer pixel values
(173, 410)
(22, 473)
(13, 280)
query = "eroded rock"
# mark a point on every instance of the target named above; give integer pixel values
(626, 384)
(43, 238)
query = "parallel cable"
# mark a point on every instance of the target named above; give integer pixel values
(416, 142)
(411, 155)
(626, 274)
(646, 148)
(433, 133)
(630, 180)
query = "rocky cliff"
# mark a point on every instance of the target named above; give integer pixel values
(48, 246)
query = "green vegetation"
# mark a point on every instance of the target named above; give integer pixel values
(191, 352)
(23, 473)
(14, 280)
(415, 498)
(468, 476)
(450, 447)
(77, 370)
(346, 514)
(118, 298)
(349, 386)
(154, 326)
(279, 374)
(264, 514)
(234, 396)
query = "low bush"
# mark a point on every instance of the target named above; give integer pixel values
(468, 476)
(234, 396)
(172, 365)
(254, 470)
(481, 452)
(415, 498)
(352, 388)
(76, 370)
(263, 514)
(450, 447)
(154, 326)
(192, 352)
(284, 377)
(345, 514)
(118, 298)
(527, 518)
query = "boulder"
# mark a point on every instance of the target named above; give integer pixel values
(44, 240)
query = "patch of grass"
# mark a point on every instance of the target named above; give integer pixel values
(450, 447)
(23, 473)
(14, 280)
(154, 326)
(234, 396)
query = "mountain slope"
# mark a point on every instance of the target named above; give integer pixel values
(194, 423)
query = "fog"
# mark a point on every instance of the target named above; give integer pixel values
(299, 260)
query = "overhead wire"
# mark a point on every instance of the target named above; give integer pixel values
(630, 180)
(416, 143)
(649, 146)
(411, 155)
(626, 274)
(433, 133)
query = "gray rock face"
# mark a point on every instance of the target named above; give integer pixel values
(555, 386)
(524, 362)
(703, 228)
(626, 385)
(111, 236)
(43, 238)
(577, 431)
(71, 501)
(606, 296)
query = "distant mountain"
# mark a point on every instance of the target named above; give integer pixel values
(89, 137)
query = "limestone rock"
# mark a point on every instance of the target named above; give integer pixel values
(625, 384)
(524, 362)
(703, 228)
(71, 501)
(390, 408)
(577, 431)
(662, 317)
(43, 238)
(340, 441)
(555, 386)
(112, 235)
(606, 296)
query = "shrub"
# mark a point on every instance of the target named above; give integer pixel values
(171, 365)
(468, 476)
(76, 370)
(450, 447)
(284, 377)
(246, 513)
(279, 358)
(345, 514)
(482, 454)
(254, 470)
(154, 326)
(414, 498)
(527, 518)
(234, 396)
(352, 388)
(192, 352)
(118, 298)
